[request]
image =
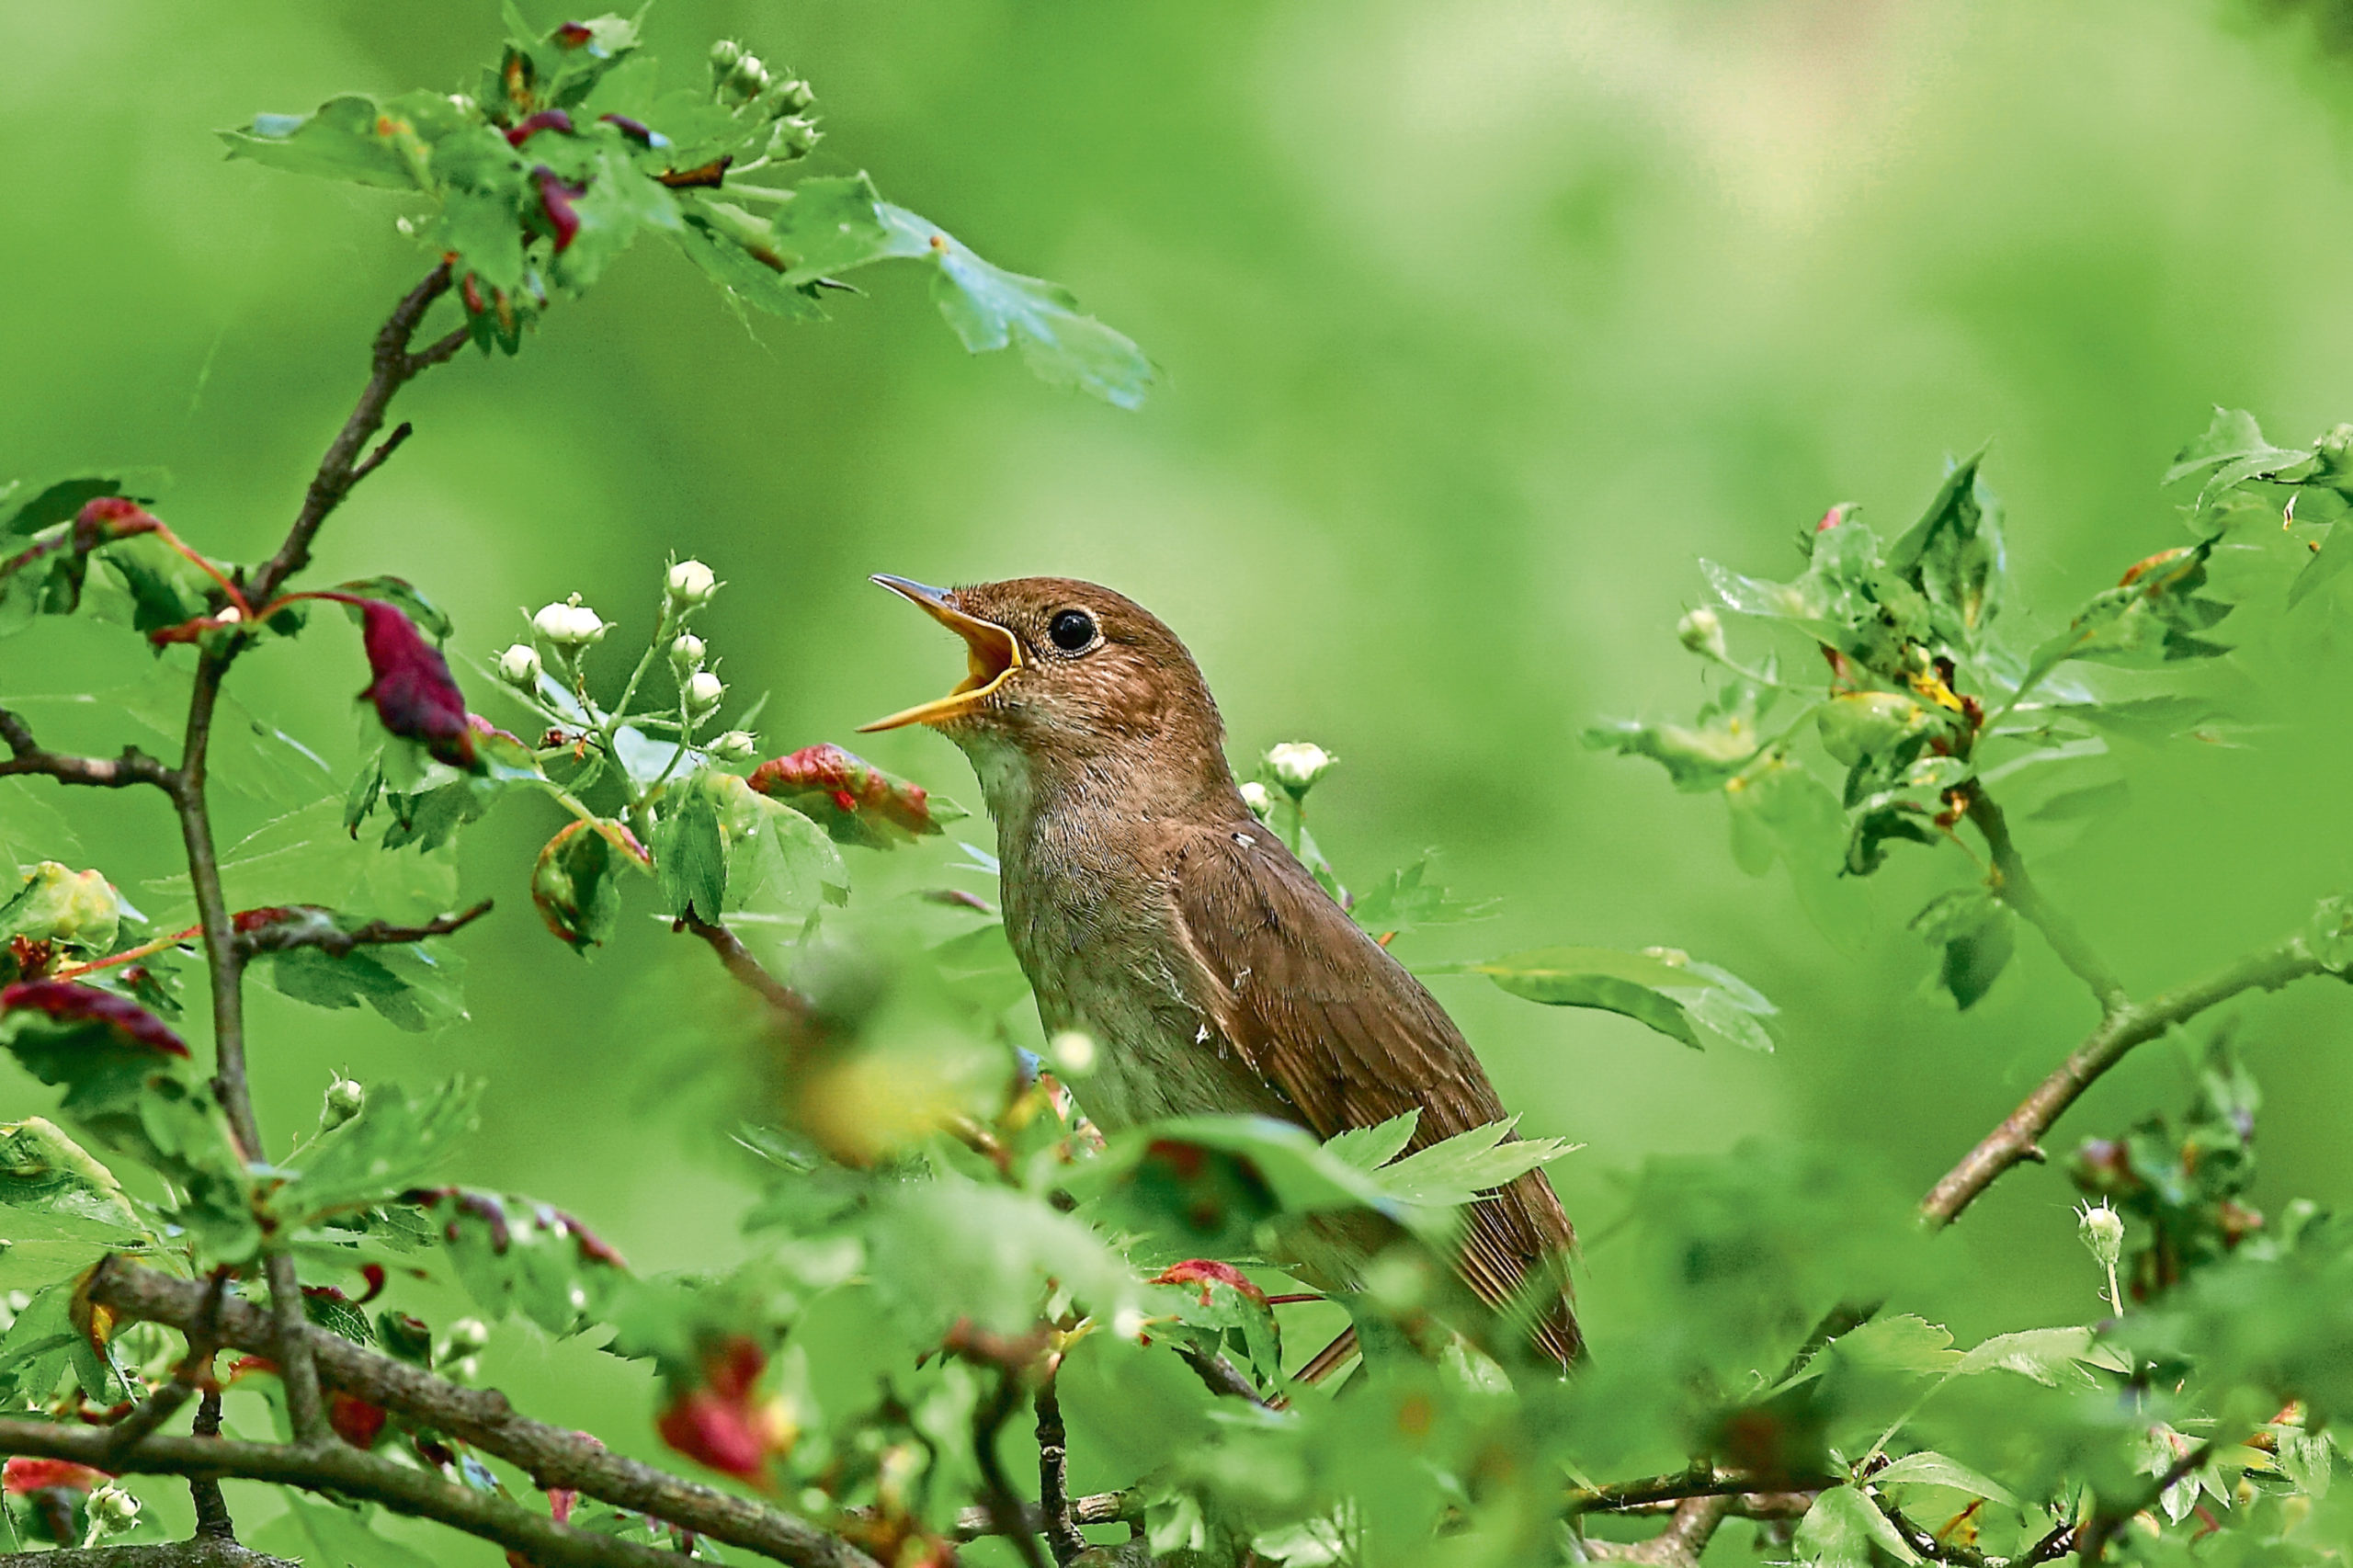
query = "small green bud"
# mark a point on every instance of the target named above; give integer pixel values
(1702, 631)
(685, 654)
(726, 53)
(2102, 1230)
(113, 1510)
(519, 666)
(735, 745)
(691, 582)
(345, 1100)
(703, 692)
(1297, 765)
(1260, 800)
(795, 94)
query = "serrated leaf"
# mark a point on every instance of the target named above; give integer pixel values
(989, 308)
(1456, 1170)
(516, 1255)
(690, 857)
(1953, 555)
(1975, 934)
(1405, 899)
(2045, 1355)
(2234, 447)
(410, 985)
(345, 138)
(1367, 1148)
(1842, 1528)
(1661, 987)
(1931, 1469)
(391, 1145)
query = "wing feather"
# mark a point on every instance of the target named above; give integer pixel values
(1321, 1011)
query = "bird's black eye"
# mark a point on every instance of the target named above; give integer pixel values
(1072, 629)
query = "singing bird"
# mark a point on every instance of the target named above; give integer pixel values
(1152, 911)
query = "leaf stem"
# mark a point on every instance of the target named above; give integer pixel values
(2012, 883)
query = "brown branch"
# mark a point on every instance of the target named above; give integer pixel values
(1691, 1527)
(198, 1552)
(2019, 1138)
(997, 1497)
(192, 1375)
(27, 760)
(2091, 1541)
(1221, 1376)
(211, 1509)
(746, 972)
(1700, 1480)
(338, 1467)
(335, 942)
(1100, 1509)
(1062, 1535)
(551, 1456)
(390, 365)
(2013, 885)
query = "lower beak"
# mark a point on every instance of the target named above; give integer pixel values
(994, 653)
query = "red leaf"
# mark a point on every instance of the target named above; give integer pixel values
(546, 119)
(22, 1475)
(556, 198)
(824, 780)
(1206, 1272)
(719, 1423)
(355, 1420)
(130, 1023)
(415, 696)
(110, 518)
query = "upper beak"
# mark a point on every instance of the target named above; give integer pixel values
(992, 651)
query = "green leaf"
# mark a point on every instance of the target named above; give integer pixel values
(1662, 987)
(1456, 1170)
(690, 857)
(411, 986)
(575, 884)
(58, 501)
(1367, 1148)
(2045, 1355)
(1976, 933)
(1931, 1469)
(1953, 554)
(1704, 757)
(1903, 1343)
(2235, 451)
(390, 1146)
(516, 1255)
(1405, 899)
(951, 1248)
(1842, 1528)
(2154, 616)
(777, 859)
(55, 903)
(990, 308)
(322, 1533)
(50, 1188)
(346, 138)
(979, 969)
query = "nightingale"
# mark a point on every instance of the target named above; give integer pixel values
(1153, 911)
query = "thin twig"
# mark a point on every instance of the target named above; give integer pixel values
(1691, 1527)
(1221, 1376)
(2019, 1136)
(1099, 1508)
(551, 1456)
(335, 942)
(384, 448)
(998, 1496)
(1062, 1535)
(26, 758)
(2014, 886)
(747, 972)
(2091, 1540)
(212, 1519)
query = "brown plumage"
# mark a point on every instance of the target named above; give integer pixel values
(1152, 911)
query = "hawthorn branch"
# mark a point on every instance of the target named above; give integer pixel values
(1690, 1527)
(1699, 1481)
(341, 1468)
(2019, 1138)
(390, 366)
(747, 972)
(193, 1373)
(551, 1456)
(2090, 1542)
(1056, 1519)
(28, 759)
(338, 943)
(197, 1552)
(998, 1496)
(2015, 887)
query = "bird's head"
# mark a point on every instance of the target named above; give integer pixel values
(1068, 677)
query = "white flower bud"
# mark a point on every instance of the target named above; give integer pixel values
(686, 653)
(468, 1335)
(1702, 631)
(703, 691)
(1297, 765)
(113, 1510)
(1128, 1323)
(1072, 1053)
(586, 626)
(691, 582)
(735, 745)
(1260, 800)
(2102, 1230)
(519, 666)
(569, 624)
(345, 1100)
(230, 614)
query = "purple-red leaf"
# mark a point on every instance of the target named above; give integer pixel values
(125, 1022)
(556, 198)
(415, 696)
(546, 119)
(849, 797)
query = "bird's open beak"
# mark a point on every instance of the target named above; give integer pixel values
(994, 653)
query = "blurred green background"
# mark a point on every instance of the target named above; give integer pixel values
(1478, 323)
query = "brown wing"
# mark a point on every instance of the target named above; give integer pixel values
(1320, 1010)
